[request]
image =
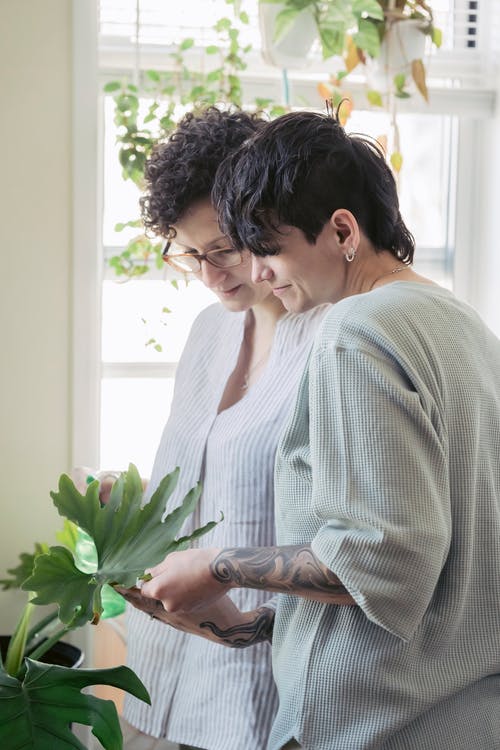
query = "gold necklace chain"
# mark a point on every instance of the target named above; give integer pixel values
(389, 273)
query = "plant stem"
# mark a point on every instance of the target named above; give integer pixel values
(47, 644)
(36, 630)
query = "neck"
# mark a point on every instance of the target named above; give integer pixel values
(260, 327)
(267, 313)
(370, 270)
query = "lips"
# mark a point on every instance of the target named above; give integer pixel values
(231, 291)
(277, 290)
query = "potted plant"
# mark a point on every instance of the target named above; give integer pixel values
(213, 77)
(386, 38)
(39, 700)
(360, 31)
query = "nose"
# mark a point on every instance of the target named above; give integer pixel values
(260, 270)
(210, 275)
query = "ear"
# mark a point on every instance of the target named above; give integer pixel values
(346, 229)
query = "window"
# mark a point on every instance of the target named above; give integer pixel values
(437, 143)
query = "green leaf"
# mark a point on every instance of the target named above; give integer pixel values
(113, 603)
(332, 42)
(153, 75)
(212, 49)
(122, 224)
(17, 643)
(57, 579)
(367, 38)
(223, 24)
(128, 536)
(112, 86)
(86, 560)
(215, 75)
(85, 553)
(186, 43)
(20, 573)
(396, 160)
(365, 8)
(375, 98)
(68, 535)
(400, 81)
(437, 36)
(36, 711)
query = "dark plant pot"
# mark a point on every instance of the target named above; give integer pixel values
(63, 654)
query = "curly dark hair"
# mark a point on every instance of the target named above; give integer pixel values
(298, 170)
(181, 170)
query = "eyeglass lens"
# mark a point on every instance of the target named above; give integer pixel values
(191, 262)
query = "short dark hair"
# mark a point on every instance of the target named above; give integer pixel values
(181, 170)
(298, 170)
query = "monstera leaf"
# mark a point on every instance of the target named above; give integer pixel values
(36, 711)
(128, 538)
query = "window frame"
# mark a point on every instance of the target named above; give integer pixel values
(474, 108)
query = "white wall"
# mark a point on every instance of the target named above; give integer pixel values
(35, 278)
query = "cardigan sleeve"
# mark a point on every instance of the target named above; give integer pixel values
(380, 485)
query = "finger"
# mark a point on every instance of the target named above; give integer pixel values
(167, 562)
(156, 569)
(149, 589)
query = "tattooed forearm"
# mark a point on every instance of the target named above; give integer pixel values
(291, 569)
(246, 634)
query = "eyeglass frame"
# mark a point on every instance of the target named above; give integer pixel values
(197, 256)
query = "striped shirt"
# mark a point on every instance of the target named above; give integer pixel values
(390, 466)
(205, 694)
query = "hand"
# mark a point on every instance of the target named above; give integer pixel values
(221, 622)
(184, 582)
(80, 476)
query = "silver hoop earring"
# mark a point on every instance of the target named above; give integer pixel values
(350, 255)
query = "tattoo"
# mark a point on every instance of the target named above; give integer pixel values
(248, 634)
(290, 569)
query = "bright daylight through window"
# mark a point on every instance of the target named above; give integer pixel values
(157, 54)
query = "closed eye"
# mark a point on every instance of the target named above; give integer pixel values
(224, 251)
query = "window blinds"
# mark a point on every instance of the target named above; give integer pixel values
(465, 60)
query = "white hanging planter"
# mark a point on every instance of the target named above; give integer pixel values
(404, 42)
(293, 49)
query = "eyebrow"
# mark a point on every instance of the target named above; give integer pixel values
(211, 245)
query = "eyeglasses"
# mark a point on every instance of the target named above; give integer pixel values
(191, 262)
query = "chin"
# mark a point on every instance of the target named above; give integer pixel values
(236, 305)
(298, 305)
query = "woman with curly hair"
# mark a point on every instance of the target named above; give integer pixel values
(234, 386)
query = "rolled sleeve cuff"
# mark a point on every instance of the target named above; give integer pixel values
(393, 584)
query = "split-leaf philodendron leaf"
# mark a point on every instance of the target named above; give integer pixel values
(24, 569)
(37, 710)
(128, 537)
